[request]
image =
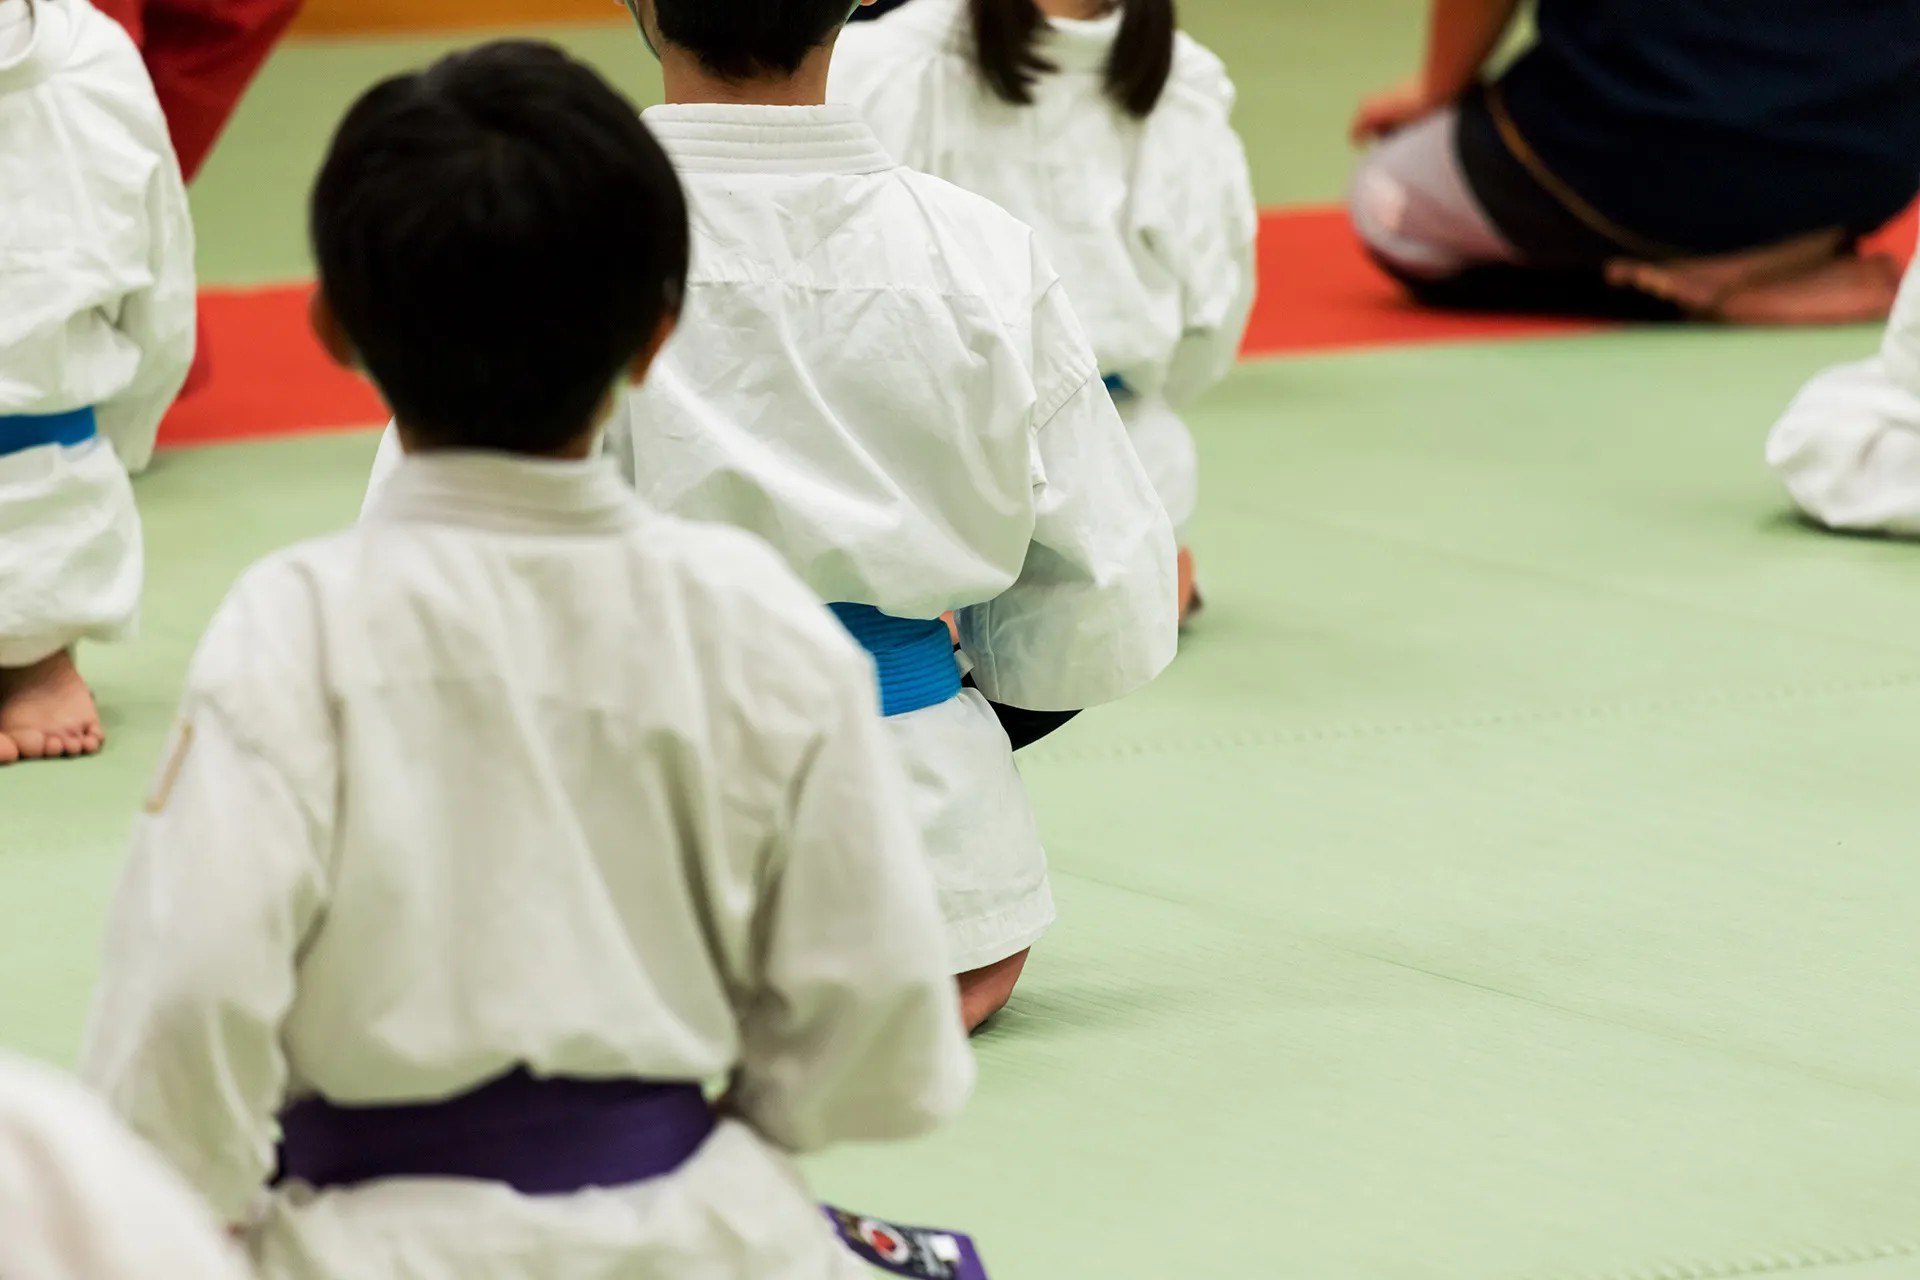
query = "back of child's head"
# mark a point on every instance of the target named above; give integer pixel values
(751, 39)
(500, 238)
(1006, 37)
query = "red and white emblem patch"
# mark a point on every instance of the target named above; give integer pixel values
(886, 1241)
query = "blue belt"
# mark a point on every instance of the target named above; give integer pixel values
(32, 430)
(914, 657)
(1117, 387)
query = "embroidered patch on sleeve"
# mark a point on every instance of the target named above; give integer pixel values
(178, 746)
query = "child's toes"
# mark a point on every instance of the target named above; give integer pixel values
(32, 743)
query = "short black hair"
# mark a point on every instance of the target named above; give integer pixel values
(499, 236)
(751, 39)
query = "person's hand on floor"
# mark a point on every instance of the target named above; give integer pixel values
(1392, 110)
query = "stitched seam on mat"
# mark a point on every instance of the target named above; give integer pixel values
(1316, 938)
(1844, 1257)
(1486, 720)
(1562, 577)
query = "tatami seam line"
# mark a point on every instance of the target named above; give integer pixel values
(1842, 1256)
(1614, 587)
(1667, 1034)
(1624, 709)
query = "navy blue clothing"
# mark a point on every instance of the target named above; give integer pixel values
(1711, 125)
(873, 11)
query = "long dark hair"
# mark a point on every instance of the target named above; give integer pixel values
(1006, 36)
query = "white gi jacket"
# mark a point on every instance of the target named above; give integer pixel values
(96, 309)
(1151, 222)
(880, 374)
(80, 1199)
(1848, 447)
(519, 771)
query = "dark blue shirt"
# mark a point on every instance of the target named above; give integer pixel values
(881, 9)
(1711, 125)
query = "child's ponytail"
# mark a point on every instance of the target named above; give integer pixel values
(1006, 39)
(1004, 35)
(1142, 58)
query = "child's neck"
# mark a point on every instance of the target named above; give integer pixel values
(686, 81)
(1077, 9)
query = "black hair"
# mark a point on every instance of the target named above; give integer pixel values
(1006, 36)
(751, 39)
(500, 237)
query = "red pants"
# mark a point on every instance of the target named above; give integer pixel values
(201, 54)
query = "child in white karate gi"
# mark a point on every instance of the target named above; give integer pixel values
(882, 376)
(1109, 131)
(96, 333)
(1848, 447)
(81, 1199)
(497, 826)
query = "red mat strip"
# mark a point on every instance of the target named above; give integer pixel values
(1318, 293)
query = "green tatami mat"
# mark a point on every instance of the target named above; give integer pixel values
(63, 826)
(1514, 879)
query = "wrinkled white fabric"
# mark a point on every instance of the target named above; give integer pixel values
(881, 375)
(81, 1199)
(1151, 222)
(1848, 447)
(70, 551)
(521, 772)
(96, 309)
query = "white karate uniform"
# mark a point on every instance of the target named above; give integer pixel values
(521, 772)
(880, 374)
(1848, 447)
(96, 309)
(80, 1199)
(1151, 222)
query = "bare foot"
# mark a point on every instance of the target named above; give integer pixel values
(1843, 291)
(1700, 285)
(1189, 597)
(985, 992)
(47, 711)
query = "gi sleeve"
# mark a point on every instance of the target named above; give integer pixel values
(1197, 217)
(854, 1033)
(1094, 614)
(1848, 450)
(1848, 447)
(224, 883)
(160, 319)
(890, 81)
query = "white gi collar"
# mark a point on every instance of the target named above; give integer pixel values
(50, 30)
(506, 493)
(735, 138)
(1071, 44)
(1074, 44)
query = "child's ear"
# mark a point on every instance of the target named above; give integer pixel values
(327, 328)
(637, 371)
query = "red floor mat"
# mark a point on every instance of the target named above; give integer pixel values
(1318, 293)
(268, 376)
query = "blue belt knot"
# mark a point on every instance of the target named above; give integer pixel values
(914, 657)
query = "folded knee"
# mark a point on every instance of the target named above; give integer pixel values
(1412, 208)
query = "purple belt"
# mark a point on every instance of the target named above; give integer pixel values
(540, 1137)
(557, 1137)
